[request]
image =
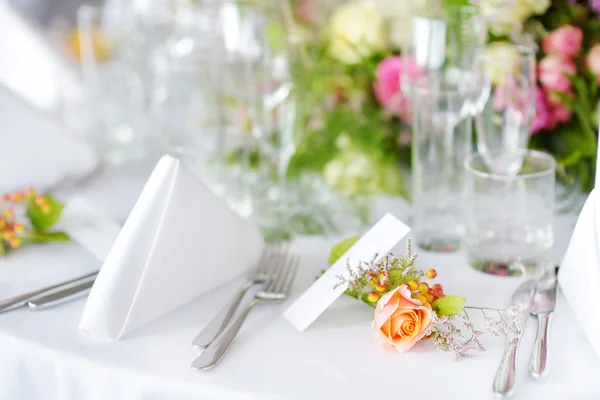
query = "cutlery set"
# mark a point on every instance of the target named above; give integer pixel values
(532, 297)
(275, 272)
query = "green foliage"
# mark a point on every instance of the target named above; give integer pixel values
(40, 221)
(339, 249)
(449, 305)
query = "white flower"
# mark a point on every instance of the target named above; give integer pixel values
(398, 14)
(356, 30)
(507, 16)
(504, 58)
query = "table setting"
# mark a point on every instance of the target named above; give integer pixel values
(302, 199)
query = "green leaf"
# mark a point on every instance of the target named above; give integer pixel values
(40, 221)
(339, 249)
(44, 237)
(449, 305)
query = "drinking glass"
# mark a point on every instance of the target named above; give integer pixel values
(436, 83)
(505, 106)
(439, 146)
(509, 218)
(114, 93)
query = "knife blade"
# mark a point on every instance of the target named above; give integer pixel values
(543, 306)
(21, 300)
(505, 379)
(56, 298)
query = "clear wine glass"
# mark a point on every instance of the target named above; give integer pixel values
(504, 111)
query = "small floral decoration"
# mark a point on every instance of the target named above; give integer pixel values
(28, 217)
(408, 309)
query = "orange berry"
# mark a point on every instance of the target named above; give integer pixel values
(421, 298)
(16, 197)
(437, 286)
(414, 285)
(8, 213)
(429, 298)
(2, 224)
(14, 242)
(40, 200)
(430, 291)
(19, 227)
(384, 277)
(46, 209)
(8, 235)
(431, 273)
(423, 287)
(373, 296)
(30, 192)
(438, 293)
(6, 197)
(380, 288)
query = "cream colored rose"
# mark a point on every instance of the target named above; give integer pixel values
(398, 16)
(502, 61)
(356, 30)
(503, 19)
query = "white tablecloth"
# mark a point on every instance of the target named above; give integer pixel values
(44, 356)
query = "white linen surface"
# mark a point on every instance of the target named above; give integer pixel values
(38, 150)
(45, 357)
(179, 242)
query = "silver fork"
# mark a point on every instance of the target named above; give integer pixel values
(220, 321)
(275, 291)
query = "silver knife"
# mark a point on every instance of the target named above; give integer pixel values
(544, 302)
(21, 300)
(56, 298)
(505, 379)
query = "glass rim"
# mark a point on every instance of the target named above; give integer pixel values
(539, 155)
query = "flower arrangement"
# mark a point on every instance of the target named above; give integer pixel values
(567, 35)
(27, 217)
(353, 120)
(409, 310)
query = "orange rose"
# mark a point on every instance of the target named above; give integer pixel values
(401, 321)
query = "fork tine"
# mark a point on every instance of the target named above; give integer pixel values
(283, 275)
(291, 275)
(273, 272)
(264, 256)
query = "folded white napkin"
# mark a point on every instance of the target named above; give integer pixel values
(31, 64)
(179, 242)
(38, 150)
(579, 273)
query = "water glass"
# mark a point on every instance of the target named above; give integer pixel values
(509, 218)
(440, 142)
(113, 85)
(504, 87)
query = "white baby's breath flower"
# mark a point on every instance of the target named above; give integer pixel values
(356, 30)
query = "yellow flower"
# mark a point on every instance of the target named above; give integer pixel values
(356, 30)
(504, 59)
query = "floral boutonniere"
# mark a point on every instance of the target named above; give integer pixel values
(27, 217)
(408, 309)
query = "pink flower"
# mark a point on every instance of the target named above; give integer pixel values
(561, 113)
(552, 70)
(592, 61)
(305, 11)
(565, 41)
(387, 86)
(543, 119)
(401, 321)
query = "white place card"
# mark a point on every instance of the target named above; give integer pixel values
(380, 239)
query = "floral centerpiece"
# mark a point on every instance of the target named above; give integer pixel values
(353, 122)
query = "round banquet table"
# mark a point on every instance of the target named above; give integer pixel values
(44, 356)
